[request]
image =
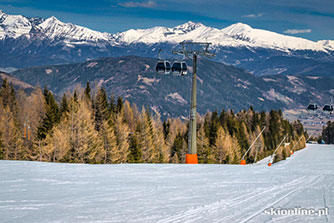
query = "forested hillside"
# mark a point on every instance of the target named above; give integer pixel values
(87, 126)
(219, 86)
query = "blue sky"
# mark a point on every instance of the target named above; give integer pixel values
(304, 18)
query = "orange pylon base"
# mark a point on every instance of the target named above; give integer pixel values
(243, 162)
(269, 164)
(191, 159)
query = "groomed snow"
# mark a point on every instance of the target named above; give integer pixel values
(50, 192)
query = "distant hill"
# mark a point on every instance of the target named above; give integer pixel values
(219, 86)
(17, 84)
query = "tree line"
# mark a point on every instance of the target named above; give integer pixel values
(87, 126)
(328, 133)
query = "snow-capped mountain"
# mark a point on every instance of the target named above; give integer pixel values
(239, 34)
(15, 26)
(236, 35)
(37, 41)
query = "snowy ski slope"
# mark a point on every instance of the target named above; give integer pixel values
(49, 192)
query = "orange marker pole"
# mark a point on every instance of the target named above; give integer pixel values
(191, 159)
(24, 131)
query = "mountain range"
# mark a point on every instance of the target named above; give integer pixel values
(26, 42)
(220, 86)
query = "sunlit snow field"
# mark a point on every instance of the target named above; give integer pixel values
(51, 192)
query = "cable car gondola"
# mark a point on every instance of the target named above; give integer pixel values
(179, 68)
(312, 107)
(328, 108)
(163, 67)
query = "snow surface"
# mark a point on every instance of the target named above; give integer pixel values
(51, 192)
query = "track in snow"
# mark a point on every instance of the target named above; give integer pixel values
(50, 192)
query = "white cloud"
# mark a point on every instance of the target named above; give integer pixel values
(296, 31)
(147, 4)
(253, 15)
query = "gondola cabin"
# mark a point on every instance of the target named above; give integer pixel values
(163, 67)
(179, 68)
(328, 108)
(312, 107)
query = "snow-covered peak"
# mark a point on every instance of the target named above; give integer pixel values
(237, 28)
(186, 31)
(54, 28)
(188, 26)
(13, 26)
(52, 21)
(51, 26)
(252, 37)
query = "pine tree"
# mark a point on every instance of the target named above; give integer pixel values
(235, 155)
(145, 135)
(165, 126)
(135, 155)
(8, 97)
(75, 96)
(214, 125)
(112, 105)
(179, 148)
(107, 134)
(160, 148)
(1, 147)
(222, 149)
(175, 158)
(101, 108)
(121, 151)
(203, 149)
(64, 109)
(86, 141)
(129, 116)
(176, 127)
(10, 135)
(74, 139)
(56, 146)
(119, 105)
(87, 92)
(52, 115)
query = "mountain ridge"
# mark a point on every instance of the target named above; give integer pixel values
(237, 34)
(26, 42)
